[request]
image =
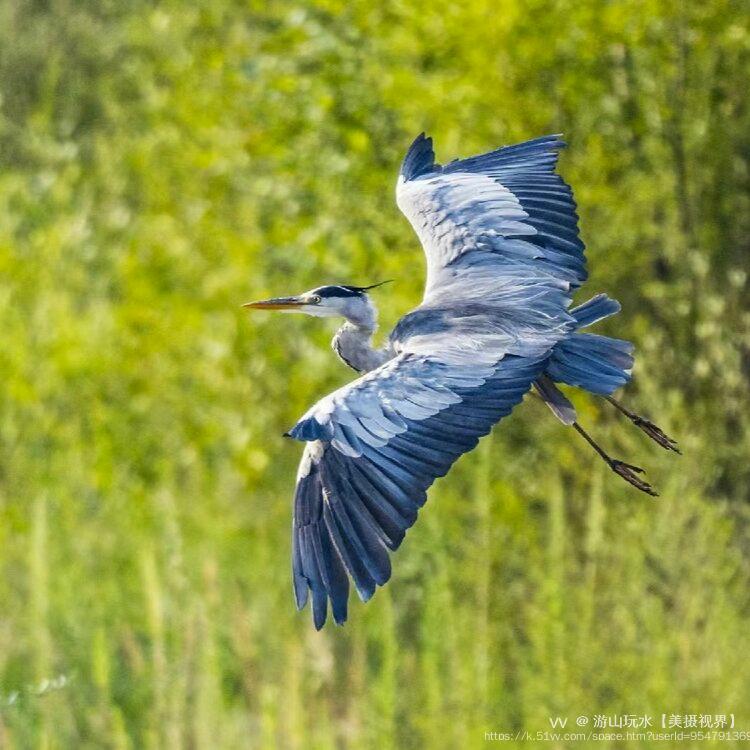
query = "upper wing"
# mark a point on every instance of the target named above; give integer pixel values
(374, 448)
(499, 220)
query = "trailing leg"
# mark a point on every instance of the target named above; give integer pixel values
(627, 471)
(655, 433)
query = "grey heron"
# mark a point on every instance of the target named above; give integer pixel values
(504, 256)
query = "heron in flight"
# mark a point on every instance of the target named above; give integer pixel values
(500, 235)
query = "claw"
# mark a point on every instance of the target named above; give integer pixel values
(632, 467)
(629, 473)
(656, 434)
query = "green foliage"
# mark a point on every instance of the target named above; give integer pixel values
(163, 163)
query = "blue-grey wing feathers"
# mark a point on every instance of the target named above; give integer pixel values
(358, 493)
(509, 206)
(597, 308)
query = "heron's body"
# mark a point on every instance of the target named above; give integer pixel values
(504, 257)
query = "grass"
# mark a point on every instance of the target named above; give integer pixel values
(162, 165)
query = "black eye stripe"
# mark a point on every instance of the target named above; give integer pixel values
(337, 291)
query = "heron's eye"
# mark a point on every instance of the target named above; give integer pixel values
(315, 299)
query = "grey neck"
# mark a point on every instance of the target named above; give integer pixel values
(353, 341)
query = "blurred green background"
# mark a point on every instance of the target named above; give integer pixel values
(161, 163)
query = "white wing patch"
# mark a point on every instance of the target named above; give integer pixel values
(311, 455)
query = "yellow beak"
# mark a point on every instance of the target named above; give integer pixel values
(276, 303)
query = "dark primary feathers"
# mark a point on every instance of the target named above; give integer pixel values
(419, 159)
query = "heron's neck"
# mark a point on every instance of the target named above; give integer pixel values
(353, 342)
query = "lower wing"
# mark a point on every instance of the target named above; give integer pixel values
(374, 448)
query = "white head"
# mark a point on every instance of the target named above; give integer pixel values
(350, 302)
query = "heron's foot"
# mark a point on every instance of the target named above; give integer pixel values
(630, 474)
(656, 433)
(653, 431)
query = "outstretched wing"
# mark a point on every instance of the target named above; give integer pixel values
(493, 221)
(374, 447)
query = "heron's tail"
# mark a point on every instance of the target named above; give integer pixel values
(598, 364)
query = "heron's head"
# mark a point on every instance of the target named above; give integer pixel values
(341, 301)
